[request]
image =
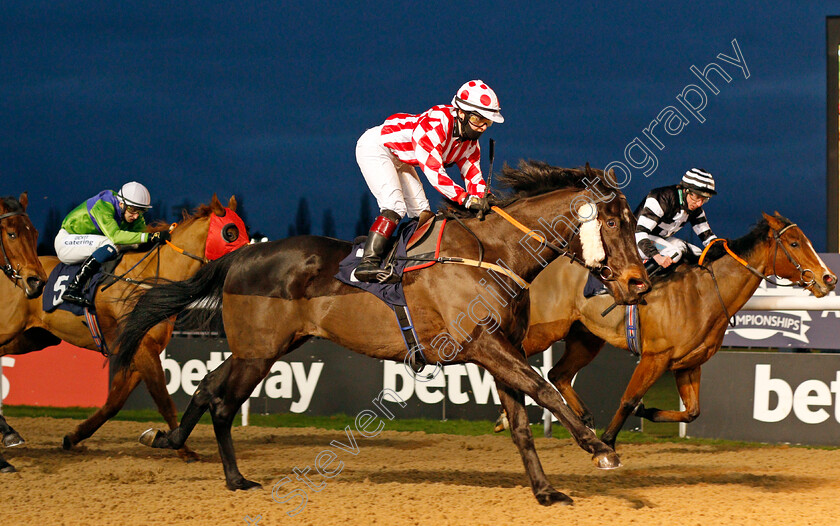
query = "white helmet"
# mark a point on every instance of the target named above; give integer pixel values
(135, 194)
(476, 96)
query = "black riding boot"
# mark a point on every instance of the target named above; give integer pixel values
(377, 244)
(75, 292)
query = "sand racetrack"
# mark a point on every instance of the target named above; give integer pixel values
(407, 478)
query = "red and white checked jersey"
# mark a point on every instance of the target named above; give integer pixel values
(426, 141)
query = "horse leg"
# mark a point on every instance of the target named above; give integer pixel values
(152, 372)
(520, 431)
(11, 438)
(243, 377)
(688, 384)
(123, 384)
(207, 389)
(581, 348)
(506, 363)
(649, 369)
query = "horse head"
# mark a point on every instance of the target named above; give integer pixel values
(601, 223)
(18, 246)
(792, 257)
(211, 229)
(621, 269)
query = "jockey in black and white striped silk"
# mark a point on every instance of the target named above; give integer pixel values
(664, 212)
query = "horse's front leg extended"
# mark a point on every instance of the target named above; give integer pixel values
(649, 369)
(520, 431)
(688, 385)
(507, 365)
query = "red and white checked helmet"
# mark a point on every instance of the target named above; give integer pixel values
(476, 96)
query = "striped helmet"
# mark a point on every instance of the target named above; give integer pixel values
(699, 181)
(477, 97)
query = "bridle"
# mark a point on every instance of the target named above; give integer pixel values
(777, 237)
(605, 272)
(8, 269)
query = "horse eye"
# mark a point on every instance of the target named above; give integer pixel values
(230, 232)
(794, 244)
(611, 223)
(12, 235)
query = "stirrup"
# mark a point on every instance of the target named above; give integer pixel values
(387, 275)
(79, 300)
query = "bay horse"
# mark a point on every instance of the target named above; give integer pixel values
(682, 322)
(275, 296)
(26, 327)
(18, 247)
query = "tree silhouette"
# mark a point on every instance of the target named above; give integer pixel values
(328, 223)
(303, 221)
(365, 216)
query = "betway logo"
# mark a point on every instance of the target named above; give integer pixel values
(280, 385)
(808, 400)
(452, 377)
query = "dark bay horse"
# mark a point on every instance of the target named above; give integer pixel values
(682, 323)
(275, 296)
(26, 275)
(25, 327)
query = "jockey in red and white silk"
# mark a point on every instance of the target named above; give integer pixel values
(390, 154)
(426, 141)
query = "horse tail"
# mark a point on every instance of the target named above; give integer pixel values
(168, 299)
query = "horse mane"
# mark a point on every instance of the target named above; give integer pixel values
(532, 178)
(186, 218)
(11, 204)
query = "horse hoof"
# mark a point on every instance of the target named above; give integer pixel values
(244, 485)
(13, 439)
(607, 461)
(149, 437)
(502, 423)
(549, 497)
(67, 444)
(8, 468)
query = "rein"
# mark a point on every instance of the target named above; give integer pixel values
(777, 237)
(8, 269)
(606, 273)
(140, 283)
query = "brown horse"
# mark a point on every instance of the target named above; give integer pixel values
(27, 328)
(682, 323)
(276, 296)
(18, 246)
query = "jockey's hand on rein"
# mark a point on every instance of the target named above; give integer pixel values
(479, 205)
(160, 237)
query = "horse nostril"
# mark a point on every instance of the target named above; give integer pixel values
(830, 279)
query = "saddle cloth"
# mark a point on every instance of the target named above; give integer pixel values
(61, 275)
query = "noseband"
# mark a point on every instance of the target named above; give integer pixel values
(802, 283)
(8, 269)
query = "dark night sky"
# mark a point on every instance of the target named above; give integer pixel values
(267, 100)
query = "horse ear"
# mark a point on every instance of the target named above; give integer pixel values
(216, 206)
(587, 169)
(24, 200)
(774, 222)
(232, 203)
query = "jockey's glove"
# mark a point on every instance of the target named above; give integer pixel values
(159, 237)
(477, 204)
